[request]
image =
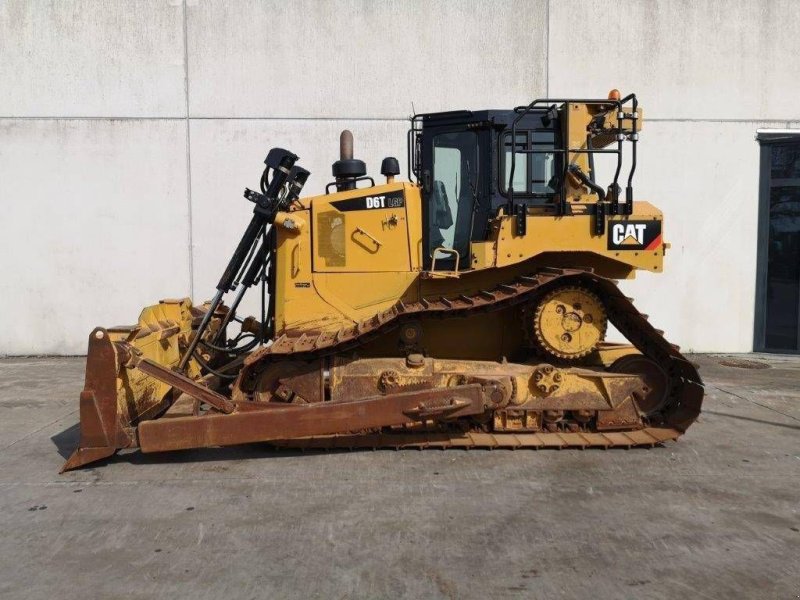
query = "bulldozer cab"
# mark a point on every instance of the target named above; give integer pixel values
(463, 161)
(473, 166)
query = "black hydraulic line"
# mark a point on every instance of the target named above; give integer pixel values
(268, 281)
(252, 271)
(267, 309)
(634, 140)
(267, 242)
(235, 350)
(280, 161)
(585, 180)
(614, 185)
(255, 270)
(240, 254)
(203, 326)
(263, 257)
(213, 371)
(228, 317)
(245, 265)
(262, 328)
(263, 213)
(229, 349)
(562, 202)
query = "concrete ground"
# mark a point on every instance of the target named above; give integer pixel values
(716, 515)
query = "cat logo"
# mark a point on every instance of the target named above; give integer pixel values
(624, 234)
(634, 235)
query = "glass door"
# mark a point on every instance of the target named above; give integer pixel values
(778, 304)
(450, 164)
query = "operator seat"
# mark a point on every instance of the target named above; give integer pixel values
(441, 216)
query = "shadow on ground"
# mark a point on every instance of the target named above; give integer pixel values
(66, 441)
(751, 419)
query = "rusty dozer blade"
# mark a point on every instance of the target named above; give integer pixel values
(116, 398)
(129, 372)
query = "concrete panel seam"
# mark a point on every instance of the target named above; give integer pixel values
(119, 118)
(547, 50)
(89, 118)
(347, 118)
(188, 151)
(704, 120)
(279, 118)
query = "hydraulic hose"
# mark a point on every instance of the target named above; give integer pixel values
(578, 172)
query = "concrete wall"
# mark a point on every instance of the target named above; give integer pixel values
(709, 73)
(128, 130)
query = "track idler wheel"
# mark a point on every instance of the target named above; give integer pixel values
(569, 322)
(656, 381)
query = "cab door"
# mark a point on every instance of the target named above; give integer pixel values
(451, 188)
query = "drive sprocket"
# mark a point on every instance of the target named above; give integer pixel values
(569, 322)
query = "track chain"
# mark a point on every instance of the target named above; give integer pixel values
(681, 408)
(649, 436)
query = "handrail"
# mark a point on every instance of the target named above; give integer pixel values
(444, 250)
(634, 140)
(567, 150)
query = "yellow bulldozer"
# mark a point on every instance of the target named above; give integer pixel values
(466, 307)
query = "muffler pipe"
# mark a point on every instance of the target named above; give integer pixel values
(346, 145)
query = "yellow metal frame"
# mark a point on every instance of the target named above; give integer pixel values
(349, 265)
(314, 297)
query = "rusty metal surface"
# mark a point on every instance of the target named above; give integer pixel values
(186, 385)
(289, 381)
(650, 436)
(685, 391)
(656, 382)
(624, 416)
(515, 419)
(102, 433)
(309, 419)
(184, 406)
(246, 421)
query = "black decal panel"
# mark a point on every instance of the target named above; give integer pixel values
(372, 201)
(634, 235)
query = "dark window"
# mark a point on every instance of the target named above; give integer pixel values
(534, 165)
(778, 324)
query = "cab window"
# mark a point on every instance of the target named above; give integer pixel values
(452, 196)
(534, 172)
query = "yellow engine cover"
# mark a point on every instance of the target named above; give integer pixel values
(363, 252)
